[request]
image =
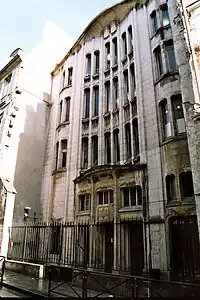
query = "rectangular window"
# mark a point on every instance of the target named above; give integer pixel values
(115, 93)
(136, 147)
(107, 96)
(95, 150)
(107, 49)
(131, 196)
(84, 159)
(178, 114)
(130, 38)
(169, 46)
(96, 62)
(57, 151)
(67, 109)
(128, 140)
(84, 202)
(108, 147)
(126, 86)
(124, 44)
(166, 124)
(87, 103)
(115, 52)
(116, 146)
(88, 64)
(96, 101)
(63, 153)
(154, 22)
(105, 197)
(159, 62)
(165, 16)
(70, 72)
(60, 111)
(63, 79)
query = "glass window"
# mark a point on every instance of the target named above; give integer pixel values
(124, 44)
(170, 187)
(107, 96)
(87, 103)
(186, 184)
(96, 63)
(165, 16)
(154, 22)
(84, 201)
(115, 52)
(166, 124)
(159, 61)
(108, 147)
(64, 153)
(116, 146)
(88, 64)
(178, 114)
(95, 150)
(70, 72)
(96, 101)
(67, 109)
(128, 140)
(84, 159)
(171, 55)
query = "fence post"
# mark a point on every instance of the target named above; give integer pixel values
(24, 243)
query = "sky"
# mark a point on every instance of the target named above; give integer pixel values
(22, 21)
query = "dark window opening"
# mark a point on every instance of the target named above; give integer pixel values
(108, 147)
(70, 72)
(169, 46)
(57, 151)
(95, 150)
(64, 153)
(130, 38)
(88, 64)
(136, 147)
(116, 146)
(178, 115)
(107, 96)
(107, 46)
(67, 109)
(128, 140)
(84, 160)
(124, 44)
(96, 62)
(186, 184)
(165, 119)
(56, 241)
(87, 104)
(96, 102)
(171, 187)
(115, 51)
(84, 201)
(154, 22)
(159, 61)
(115, 93)
(126, 86)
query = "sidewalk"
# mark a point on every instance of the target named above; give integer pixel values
(39, 287)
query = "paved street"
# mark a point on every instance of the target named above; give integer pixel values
(8, 293)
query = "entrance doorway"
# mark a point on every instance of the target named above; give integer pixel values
(185, 255)
(109, 248)
(136, 248)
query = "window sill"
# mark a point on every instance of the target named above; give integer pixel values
(133, 99)
(87, 78)
(107, 72)
(183, 201)
(85, 120)
(131, 208)
(167, 74)
(60, 170)
(83, 213)
(62, 124)
(160, 30)
(181, 136)
(95, 76)
(115, 67)
(116, 110)
(126, 105)
(107, 115)
(95, 118)
(104, 205)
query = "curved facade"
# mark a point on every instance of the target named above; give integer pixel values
(117, 146)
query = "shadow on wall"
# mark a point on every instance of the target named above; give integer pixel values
(30, 162)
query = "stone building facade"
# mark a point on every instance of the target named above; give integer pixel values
(117, 146)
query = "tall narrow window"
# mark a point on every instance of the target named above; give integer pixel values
(130, 38)
(108, 148)
(171, 187)
(107, 49)
(178, 115)
(60, 111)
(96, 101)
(136, 147)
(186, 184)
(115, 52)
(116, 146)
(169, 46)
(126, 86)
(107, 96)
(64, 153)
(84, 158)
(1, 117)
(115, 93)
(57, 149)
(166, 124)
(132, 71)
(67, 109)
(87, 103)
(70, 72)
(165, 15)
(154, 22)
(124, 44)
(63, 79)
(84, 202)
(88, 64)
(96, 62)
(159, 62)
(128, 140)
(95, 150)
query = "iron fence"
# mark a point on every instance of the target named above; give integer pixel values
(103, 246)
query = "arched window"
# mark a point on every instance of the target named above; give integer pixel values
(186, 184)
(170, 187)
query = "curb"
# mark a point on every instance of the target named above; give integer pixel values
(23, 290)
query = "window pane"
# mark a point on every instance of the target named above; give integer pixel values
(111, 196)
(64, 159)
(133, 195)
(87, 202)
(159, 62)
(178, 114)
(88, 64)
(171, 56)
(170, 187)
(136, 138)
(128, 140)
(87, 103)
(96, 102)
(186, 183)
(154, 22)
(67, 112)
(126, 196)
(81, 202)
(165, 16)
(107, 92)
(106, 197)
(116, 146)
(139, 195)
(108, 148)
(100, 196)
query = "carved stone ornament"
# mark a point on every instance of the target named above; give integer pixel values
(103, 214)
